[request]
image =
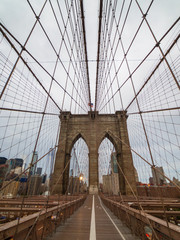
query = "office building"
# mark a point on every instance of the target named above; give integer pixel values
(39, 171)
(158, 178)
(14, 162)
(34, 187)
(74, 185)
(34, 159)
(11, 190)
(107, 184)
(3, 160)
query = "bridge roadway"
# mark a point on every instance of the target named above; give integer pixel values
(93, 221)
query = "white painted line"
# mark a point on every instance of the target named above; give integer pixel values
(40, 228)
(93, 223)
(112, 221)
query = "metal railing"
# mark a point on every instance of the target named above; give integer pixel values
(40, 224)
(139, 221)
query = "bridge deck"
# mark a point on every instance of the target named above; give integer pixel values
(82, 225)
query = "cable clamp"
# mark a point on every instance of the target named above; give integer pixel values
(157, 44)
(23, 48)
(37, 17)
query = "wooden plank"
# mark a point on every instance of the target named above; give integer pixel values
(9, 229)
(6, 209)
(79, 225)
(158, 224)
(159, 212)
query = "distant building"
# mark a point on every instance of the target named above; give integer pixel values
(111, 184)
(151, 181)
(39, 171)
(114, 174)
(74, 185)
(83, 187)
(101, 187)
(3, 160)
(136, 175)
(35, 158)
(44, 176)
(158, 178)
(18, 170)
(114, 165)
(11, 190)
(111, 181)
(14, 162)
(34, 187)
(176, 181)
(47, 183)
(11, 175)
(115, 183)
(3, 172)
(51, 157)
(19, 162)
(22, 185)
(71, 173)
(107, 184)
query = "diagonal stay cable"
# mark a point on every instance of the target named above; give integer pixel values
(36, 62)
(85, 49)
(157, 66)
(72, 45)
(50, 42)
(110, 63)
(34, 75)
(20, 53)
(158, 45)
(74, 33)
(138, 66)
(98, 50)
(27, 111)
(79, 44)
(116, 48)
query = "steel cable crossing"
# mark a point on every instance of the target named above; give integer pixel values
(110, 43)
(80, 90)
(105, 45)
(152, 107)
(76, 50)
(152, 133)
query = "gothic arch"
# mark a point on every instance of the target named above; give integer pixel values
(109, 136)
(92, 128)
(76, 137)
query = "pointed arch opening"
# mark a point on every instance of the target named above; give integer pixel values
(79, 166)
(107, 166)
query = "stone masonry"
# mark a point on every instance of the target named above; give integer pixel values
(93, 128)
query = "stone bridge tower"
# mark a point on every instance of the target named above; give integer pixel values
(93, 128)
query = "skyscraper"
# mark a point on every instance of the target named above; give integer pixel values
(51, 156)
(35, 158)
(158, 178)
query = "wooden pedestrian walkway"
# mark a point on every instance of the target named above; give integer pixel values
(93, 221)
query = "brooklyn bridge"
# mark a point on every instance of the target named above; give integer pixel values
(89, 119)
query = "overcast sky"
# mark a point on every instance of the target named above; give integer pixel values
(18, 17)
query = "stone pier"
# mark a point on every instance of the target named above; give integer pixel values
(93, 128)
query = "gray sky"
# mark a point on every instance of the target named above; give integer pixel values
(18, 17)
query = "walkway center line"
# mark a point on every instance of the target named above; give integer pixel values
(112, 221)
(93, 223)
